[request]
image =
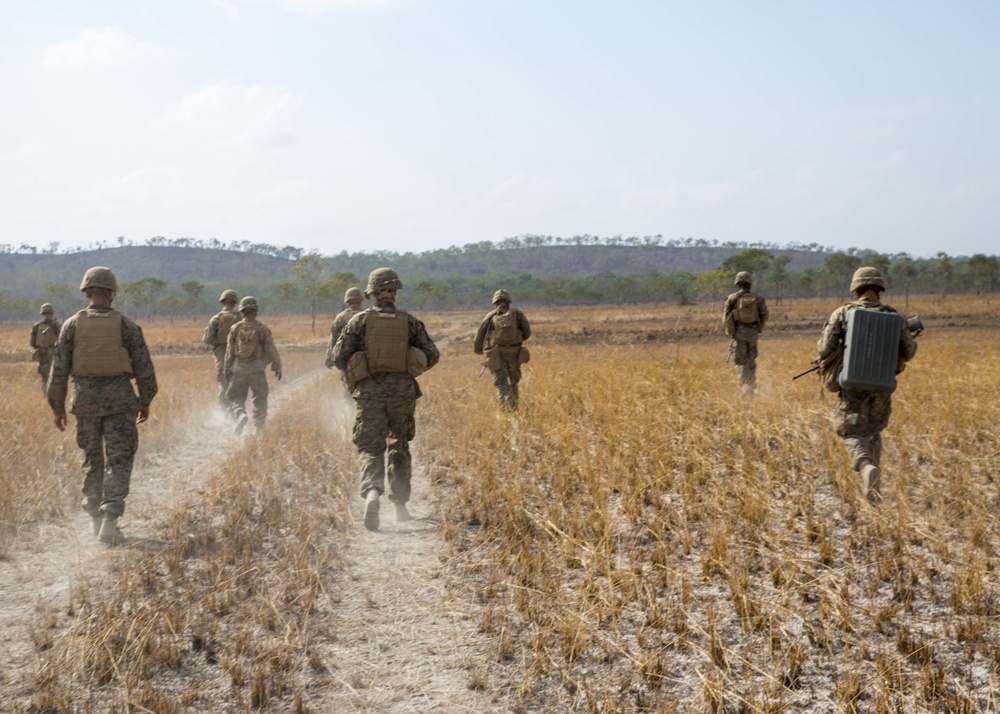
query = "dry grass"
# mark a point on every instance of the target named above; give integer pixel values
(637, 538)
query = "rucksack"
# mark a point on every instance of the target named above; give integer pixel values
(505, 326)
(248, 340)
(747, 308)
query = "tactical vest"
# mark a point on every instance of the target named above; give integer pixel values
(97, 345)
(249, 340)
(747, 308)
(226, 321)
(46, 335)
(505, 330)
(387, 337)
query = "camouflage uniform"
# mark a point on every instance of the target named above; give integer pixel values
(743, 348)
(507, 377)
(386, 403)
(44, 354)
(339, 323)
(105, 409)
(218, 339)
(246, 374)
(861, 415)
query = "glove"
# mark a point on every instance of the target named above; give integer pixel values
(478, 352)
(329, 364)
(277, 375)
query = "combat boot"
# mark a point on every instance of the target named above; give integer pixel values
(110, 533)
(371, 509)
(241, 424)
(870, 475)
(402, 515)
(97, 521)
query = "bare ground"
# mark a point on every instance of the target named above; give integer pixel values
(397, 635)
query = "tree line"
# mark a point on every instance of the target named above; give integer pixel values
(316, 283)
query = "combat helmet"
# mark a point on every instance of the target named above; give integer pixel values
(382, 279)
(501, 294)
(353, 294)
(229, 295)
(99, 277)
(248, 303)
(46, 307)
(743, 277)
(867, 277)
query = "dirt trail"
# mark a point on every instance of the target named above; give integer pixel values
(404, 642)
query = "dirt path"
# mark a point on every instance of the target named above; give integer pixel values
(404, 640)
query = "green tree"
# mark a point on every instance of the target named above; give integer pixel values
(143, 293)
(903, 272)
(755, 261)
(943, 273)
(60, 295)
(984, 270)
(840, 267)
(309, 271)
(779, 274)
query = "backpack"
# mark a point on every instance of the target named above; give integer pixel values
(505, 326)
(248, 340)
(747, 308)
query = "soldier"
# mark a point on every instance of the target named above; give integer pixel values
(743, 317)
(44, 335)
(382, 349)
(217, 335)
(103, 351)
(861, 415)
(352, 299)
(250, 348)
(501, 333)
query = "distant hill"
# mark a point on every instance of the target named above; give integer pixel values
(27, 275)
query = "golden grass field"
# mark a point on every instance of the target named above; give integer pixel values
(638, 537)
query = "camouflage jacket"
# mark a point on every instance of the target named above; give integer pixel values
(56, 325)
(212, 330)
(241, 365)
(486, 327)
(339, 323)
(383, 385)
(836, 329)
(102, 396)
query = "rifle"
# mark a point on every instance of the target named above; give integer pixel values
(808, 371)
(914, 324)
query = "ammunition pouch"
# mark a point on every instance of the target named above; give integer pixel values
(36, 354)
(523, 357)
(729, 324)
(492, 355)
(416, 361)
(357, 370)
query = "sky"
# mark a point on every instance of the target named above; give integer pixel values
(414, 125)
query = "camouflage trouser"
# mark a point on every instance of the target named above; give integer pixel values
(507, 377)
(859, 419)
(236, 395)
(109, 444)
(219, 353)
(381, 425)
(743, 352)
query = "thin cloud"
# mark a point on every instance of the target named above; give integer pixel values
(109, 47)
(230, 9)
(316, 7)
(234, 115)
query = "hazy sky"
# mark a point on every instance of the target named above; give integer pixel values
(419, 124)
